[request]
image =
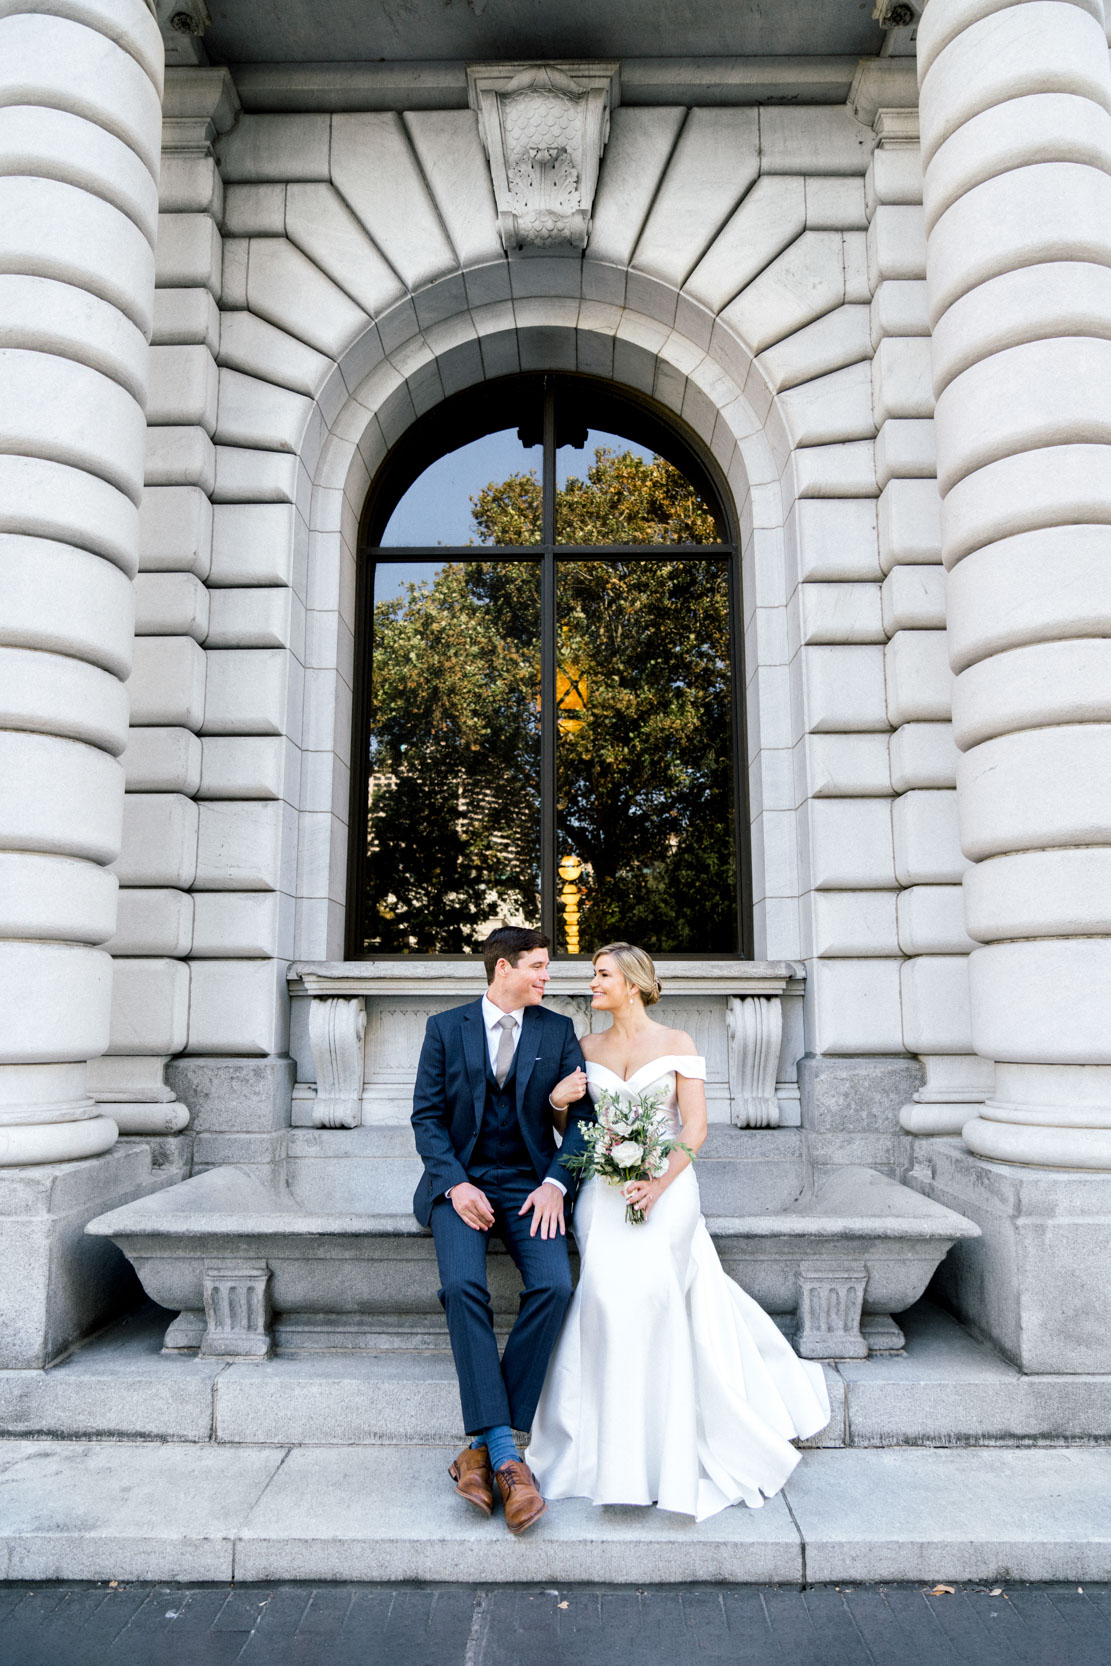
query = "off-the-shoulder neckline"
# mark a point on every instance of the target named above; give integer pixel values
(673, 1058)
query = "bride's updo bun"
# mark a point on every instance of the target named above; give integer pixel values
(635, 967)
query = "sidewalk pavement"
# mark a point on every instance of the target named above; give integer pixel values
(192, 1513)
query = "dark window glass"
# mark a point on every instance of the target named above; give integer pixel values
(548, 683)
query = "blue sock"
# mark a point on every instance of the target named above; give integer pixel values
(499, 1444)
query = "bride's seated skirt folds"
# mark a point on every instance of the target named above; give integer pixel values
(669, 1385)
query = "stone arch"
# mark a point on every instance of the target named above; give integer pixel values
(705, 374)
(365, 281)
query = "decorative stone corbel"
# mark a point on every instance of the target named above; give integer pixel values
(237, 1308)
(755, 1029)
(337, 1026)
(544, 127)
(830, 1302)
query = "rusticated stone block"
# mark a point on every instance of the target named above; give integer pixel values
(230, 1095)
(856, 1095)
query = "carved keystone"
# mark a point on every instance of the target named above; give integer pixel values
(830, 1301)
(544, 127)
(237, 1307)
(755, 1027)
(337, 1026)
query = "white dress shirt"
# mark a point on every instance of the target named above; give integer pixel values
(492, 1017)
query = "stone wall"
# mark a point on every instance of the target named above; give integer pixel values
(727, 277)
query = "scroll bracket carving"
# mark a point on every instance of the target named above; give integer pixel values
(544, 127)
(337, 1026)
(755, 1027)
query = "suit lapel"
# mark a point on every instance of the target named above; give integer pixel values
(474, 1051)
(526, 1052)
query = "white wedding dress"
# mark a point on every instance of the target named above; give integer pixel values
(668, 1384)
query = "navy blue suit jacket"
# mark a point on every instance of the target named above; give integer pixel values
(450, 1096)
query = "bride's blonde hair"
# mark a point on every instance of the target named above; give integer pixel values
(635, 967)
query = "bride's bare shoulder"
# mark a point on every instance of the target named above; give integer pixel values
(590, 1045)
(678, 1042)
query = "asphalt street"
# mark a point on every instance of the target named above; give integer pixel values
(371, 1625)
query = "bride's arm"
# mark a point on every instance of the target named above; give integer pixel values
(691, 1093)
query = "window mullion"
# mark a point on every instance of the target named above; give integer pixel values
(548, 647)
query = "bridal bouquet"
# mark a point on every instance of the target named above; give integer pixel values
(629, 1141)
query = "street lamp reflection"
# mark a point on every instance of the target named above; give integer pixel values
(570, 868)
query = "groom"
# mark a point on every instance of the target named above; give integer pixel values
(489, 1077)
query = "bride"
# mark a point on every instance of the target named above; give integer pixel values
(668, 1384)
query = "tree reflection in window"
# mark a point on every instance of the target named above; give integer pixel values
(616, 817)
(643, 785)
(454, 803)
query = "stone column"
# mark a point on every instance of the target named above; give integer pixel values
(1016, 145)
(80, 122)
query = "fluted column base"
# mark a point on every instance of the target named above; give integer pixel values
(1051, 1116)
(1055, 1148)
(47, 1116)
(56, 1142)
(953, 1093)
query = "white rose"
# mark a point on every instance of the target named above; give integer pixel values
(618, 1125)
(627, 1153)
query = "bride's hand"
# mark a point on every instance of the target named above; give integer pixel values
(642, 1194)
(566, 1092)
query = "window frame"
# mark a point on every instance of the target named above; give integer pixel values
(406, 462)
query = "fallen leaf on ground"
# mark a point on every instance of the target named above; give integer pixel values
(944, 1591)
(997, 1592)
(563, 1605)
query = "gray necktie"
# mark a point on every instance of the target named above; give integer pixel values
(506, 1025)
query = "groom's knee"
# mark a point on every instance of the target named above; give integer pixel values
(460, 1287)
(554, 1285)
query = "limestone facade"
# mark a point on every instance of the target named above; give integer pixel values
(885, 320)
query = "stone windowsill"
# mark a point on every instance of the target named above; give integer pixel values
(569, 977)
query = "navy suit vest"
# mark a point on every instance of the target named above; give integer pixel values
(500, 1144)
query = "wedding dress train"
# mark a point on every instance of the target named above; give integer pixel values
(668, 1384)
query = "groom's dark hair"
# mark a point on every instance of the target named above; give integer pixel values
(510, 943)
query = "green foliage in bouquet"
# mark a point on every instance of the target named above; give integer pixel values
(629, 1141)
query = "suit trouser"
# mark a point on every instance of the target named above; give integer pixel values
(502, 1391)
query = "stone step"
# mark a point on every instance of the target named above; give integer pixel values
(121, 1386)
(947, 1389)
(187, 1513)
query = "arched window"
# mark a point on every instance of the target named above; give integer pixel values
(548, 700)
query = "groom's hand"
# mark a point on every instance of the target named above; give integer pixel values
(546, 1203)
(472, 1206)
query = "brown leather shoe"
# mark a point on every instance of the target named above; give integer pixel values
(520, 1496)
(474, 1479)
